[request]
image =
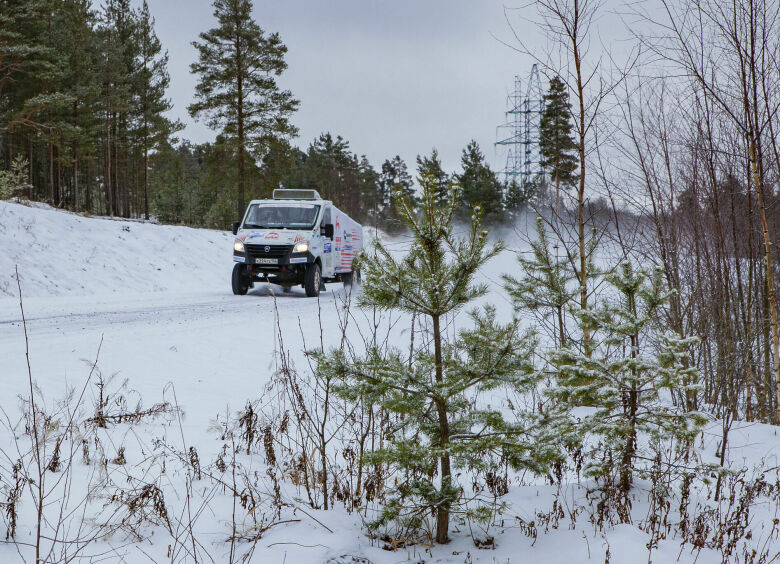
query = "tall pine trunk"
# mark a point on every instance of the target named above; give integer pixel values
(146, 179)
(76, 200)
(629, 448)
(240, 95)
(88, 192)
(30, 149)
(443, 511)
(109, 189)
(51, 175)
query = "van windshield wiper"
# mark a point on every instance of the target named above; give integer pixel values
(253, 226)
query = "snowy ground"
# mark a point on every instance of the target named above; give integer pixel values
(158, 298)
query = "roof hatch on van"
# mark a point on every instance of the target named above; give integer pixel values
(289, 194)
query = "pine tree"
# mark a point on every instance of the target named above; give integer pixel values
(237, 90)
(218, 183)
(331, 168)
(278, 168)
(479, 184)
(545, 287)
(165, 179)
(627, 383)
(81, 83)
(30, 66)
(395, 178)
(430, 168)
(558, 148)
(441, 424)
(369, 190)
(151, 82)
(118, 32)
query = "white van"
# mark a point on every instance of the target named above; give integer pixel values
(295, 239)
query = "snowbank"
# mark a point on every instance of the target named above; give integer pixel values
(58, 253)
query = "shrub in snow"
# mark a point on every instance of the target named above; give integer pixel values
(433, 392)
(15, 180)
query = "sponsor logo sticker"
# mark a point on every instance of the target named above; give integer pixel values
(238, 259)
(297, 260)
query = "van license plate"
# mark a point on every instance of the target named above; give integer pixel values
(266, 261)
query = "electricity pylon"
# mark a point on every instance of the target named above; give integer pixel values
(520, 132)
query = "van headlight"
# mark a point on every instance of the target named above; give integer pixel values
(301, 247)
(238, 246)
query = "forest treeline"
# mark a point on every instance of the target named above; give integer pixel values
(85, 123)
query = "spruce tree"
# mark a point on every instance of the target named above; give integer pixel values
(441, 426)
(558, 148)
(515, 198)
(629, 377)
(237, 91)
(431, 169)
(479, 184)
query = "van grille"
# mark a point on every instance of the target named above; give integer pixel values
(274, 251)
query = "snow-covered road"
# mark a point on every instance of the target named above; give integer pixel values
(215, 348)
(159, 300)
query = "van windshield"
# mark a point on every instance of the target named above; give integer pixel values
(281, 216)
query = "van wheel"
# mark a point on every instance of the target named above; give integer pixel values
(351, 278)
(313, 280)
(240, 280)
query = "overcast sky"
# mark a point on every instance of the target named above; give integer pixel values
(396, 77)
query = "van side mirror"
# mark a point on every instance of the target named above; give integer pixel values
(327, 230)
(235, 227)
